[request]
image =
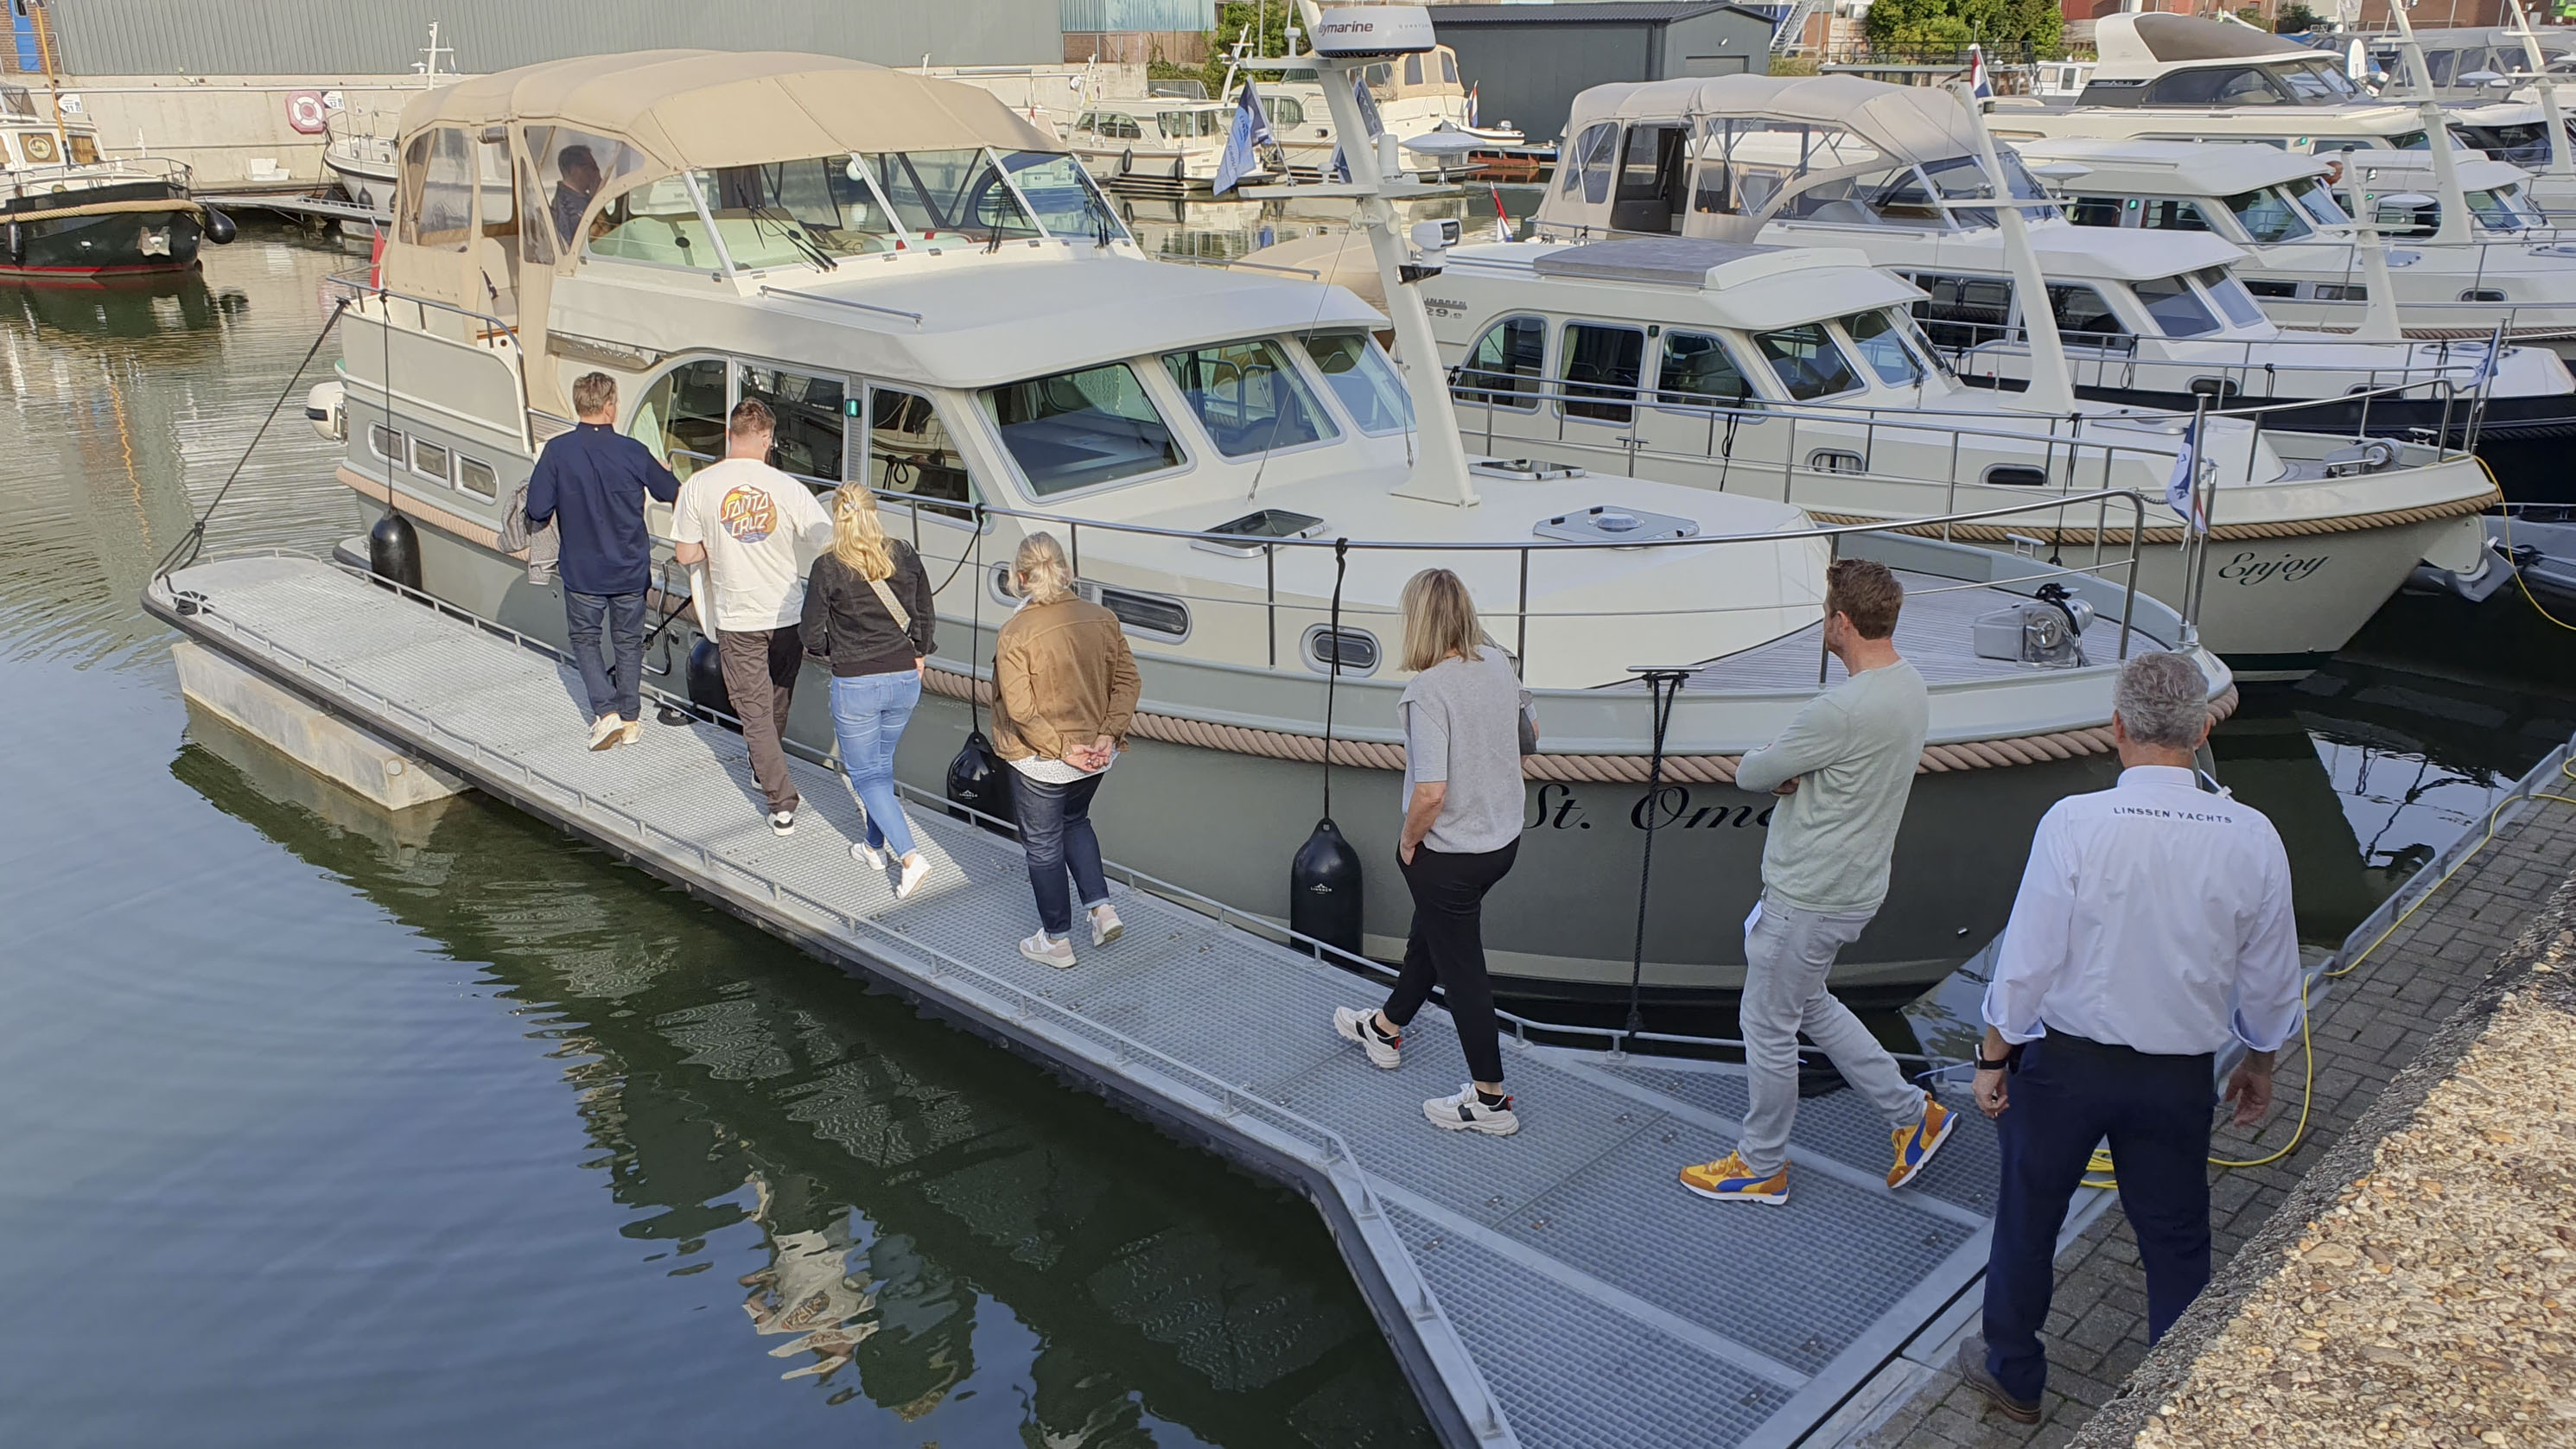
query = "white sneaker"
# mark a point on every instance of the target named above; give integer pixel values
(631, 731)
(605, 731)
(916, 869)
(782, 822)
(867, 855)
(1047, 950)
(1466, 1112)
(1105, 925)
(1360, 1026)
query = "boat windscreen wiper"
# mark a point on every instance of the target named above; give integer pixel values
(788, 226)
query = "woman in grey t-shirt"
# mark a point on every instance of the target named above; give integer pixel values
(1462, 827)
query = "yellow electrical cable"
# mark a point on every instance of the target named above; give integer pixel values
(2523, 584)
(2097, 1170)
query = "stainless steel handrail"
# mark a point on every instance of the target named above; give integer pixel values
(356, 280)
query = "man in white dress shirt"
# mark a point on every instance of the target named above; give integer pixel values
(2152, 929)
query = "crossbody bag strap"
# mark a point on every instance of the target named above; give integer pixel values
(886, 597)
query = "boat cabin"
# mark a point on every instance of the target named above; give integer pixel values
(2183, 62)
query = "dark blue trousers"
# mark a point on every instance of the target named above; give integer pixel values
(2069, 1095)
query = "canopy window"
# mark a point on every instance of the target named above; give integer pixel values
(434, 206)
(1083, 428)
(943, 193)
(573, 167)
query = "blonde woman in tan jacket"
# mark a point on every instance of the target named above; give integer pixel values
(1065, 692)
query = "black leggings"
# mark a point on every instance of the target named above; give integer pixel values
(1447, 945)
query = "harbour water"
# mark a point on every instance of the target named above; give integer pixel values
(322, 1124)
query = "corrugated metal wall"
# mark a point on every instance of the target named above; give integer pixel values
(1082, 17)
(1529, 74)
(379, 37)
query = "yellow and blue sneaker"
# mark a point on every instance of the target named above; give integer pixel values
(1916, 1144)
(1728, 1179)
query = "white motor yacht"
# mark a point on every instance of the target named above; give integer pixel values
(936, 301)
(1409, 97)
(1804, 161)
(1156, 145)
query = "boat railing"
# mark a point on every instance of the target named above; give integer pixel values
(2115, 362)
(483, 332)
(106, 171)
(1976, 448)
(2108, 559)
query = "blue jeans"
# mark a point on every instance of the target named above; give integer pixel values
(1055, 830)
(2070, 1094)
(618, 690)
(869, 712)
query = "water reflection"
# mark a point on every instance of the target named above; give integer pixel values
(927, 1218)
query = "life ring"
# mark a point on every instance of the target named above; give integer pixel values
(306, 112)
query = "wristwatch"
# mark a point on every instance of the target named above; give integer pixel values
(1997, 1065)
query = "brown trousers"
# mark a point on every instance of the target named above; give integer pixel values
(760, 674)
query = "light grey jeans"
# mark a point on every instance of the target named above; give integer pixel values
(1786, 957)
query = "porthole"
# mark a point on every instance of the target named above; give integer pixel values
(2482, 294)
(2014, 475)
(385, 442)
(1835, 460)
(428, 459)
(475, 476)
(1357, 648)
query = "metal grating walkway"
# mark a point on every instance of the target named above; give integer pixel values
(1556, 1288)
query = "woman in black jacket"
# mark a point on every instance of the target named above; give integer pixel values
(868, 610)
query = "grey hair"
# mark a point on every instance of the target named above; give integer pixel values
(2163, 699)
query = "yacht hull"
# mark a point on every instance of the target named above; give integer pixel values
(102, 233)
(1224, 825)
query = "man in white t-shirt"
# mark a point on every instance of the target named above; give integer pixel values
(756, 530)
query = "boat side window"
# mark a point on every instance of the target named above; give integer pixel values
(1359, 375)
(1249, 397)
(681, 416)
(2242, 85)
(2268, 216)
(1698, 371)
(2175, 306)
(1284, 110)
(809, 411)
(1119, 128)
(572, 167)
(1592, 158)
(1504, 367)
(84, 148)
(2501, 209)
(2165, 213)
(476, 477)
(384, 442)
(2113, 93)
(2312, 196)
(2233, 299)
(950, 191)
(1075, 429)
(2085, 318)
(1448, 65)
(1599, 361)
(2099, 210)
(1964, 312)
(1413, 70)
(1807, 362)
(436, 206)
(911, 456)
(429, 460)
(1875, 337)
(1068, 204)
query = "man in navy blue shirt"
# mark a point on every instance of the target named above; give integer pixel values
(593, 481)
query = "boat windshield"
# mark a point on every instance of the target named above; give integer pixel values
(1076, 429)
(1807, 362)
(2313, 196)
(1960, 178)
(1359, 374)
(1881, 344)
(1249, 397)
(1067, 202)
(2317, 82)
(2268, 216)
(2176, 308)
(2503, 209)
(2233, 299)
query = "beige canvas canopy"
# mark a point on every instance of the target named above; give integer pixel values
(1906, 123)
(707, 108)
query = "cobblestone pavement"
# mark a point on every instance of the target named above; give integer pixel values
(2372, 1024)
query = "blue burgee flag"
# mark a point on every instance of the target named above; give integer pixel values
(2486, 370)
(2181, 491)
(1243, 144)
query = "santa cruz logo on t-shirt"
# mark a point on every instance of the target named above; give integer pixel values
(748, 514)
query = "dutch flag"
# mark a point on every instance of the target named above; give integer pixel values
(1978, 86)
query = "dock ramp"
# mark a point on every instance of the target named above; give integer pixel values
(1556, 1288)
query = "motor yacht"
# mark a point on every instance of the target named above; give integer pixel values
(935, 300)
(1157, 145)
(1410, 97)
(72, 212)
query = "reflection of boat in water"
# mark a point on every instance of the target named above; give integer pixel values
(1017, 364)
(138, 304)
(903, 1181)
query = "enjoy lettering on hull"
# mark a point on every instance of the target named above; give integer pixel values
(2245, 569)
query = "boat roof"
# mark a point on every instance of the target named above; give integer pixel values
(708, 108)
(2188, 168)
(2478, 172)
(1907, 123)
(1743, 278)
(987, 320)
(2138, 43)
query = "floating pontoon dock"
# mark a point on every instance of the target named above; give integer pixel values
(1555, 1288)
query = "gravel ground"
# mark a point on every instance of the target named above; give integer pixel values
(2435, 1303)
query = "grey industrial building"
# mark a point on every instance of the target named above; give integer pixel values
(384, 37)
(1529, 60)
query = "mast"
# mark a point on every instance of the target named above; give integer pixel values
(1346, 42)
(2559, 163)
(2454, 230)
(2052, 388)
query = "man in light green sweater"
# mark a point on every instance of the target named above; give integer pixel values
(1843, 768)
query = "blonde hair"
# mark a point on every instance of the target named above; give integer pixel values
(1439, 620)
(858, 535)
(1041, 570)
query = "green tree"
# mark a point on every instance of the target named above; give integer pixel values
(1261, 26)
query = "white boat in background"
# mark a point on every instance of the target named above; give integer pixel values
(358, 150)
(1153, 144)
(965, 325)
(1409, 97)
